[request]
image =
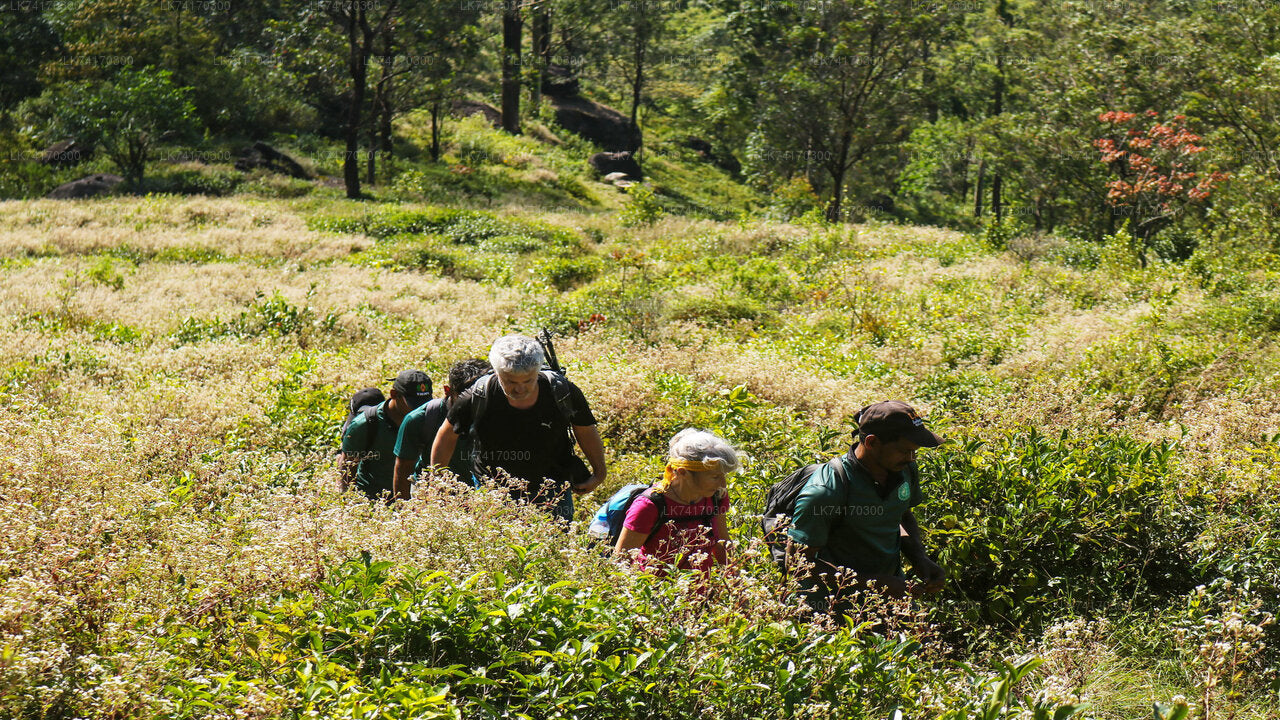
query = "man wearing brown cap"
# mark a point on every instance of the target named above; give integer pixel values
(368, 444)
(855, 524)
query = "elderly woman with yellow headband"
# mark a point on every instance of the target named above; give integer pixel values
(681, 520)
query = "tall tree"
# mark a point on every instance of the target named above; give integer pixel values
(833, 88)
(512, 38)
(361, 29)
(541, 44)
(635, 27)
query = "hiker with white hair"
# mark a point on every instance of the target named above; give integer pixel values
(680, 520)
(523, 420)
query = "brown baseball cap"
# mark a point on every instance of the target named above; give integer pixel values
(894, 417)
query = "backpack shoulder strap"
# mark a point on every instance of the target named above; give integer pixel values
(562, 391)
(371, 419)
(437, 412)
(480, 401)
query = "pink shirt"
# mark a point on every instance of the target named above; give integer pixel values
(686, 533)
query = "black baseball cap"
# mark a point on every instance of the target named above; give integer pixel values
(894, 417)
(414, 386)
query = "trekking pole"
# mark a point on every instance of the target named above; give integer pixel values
(549, 349)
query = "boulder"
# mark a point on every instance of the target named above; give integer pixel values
(559, 81)
(66, 153)
(724, 161)
(700, 146)
(262, 155)
(86, 187)
(600, 124)
(615, 166)
(466, 108)
(882, 203)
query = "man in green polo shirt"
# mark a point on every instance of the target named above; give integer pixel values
(856, 528)
(418, 431)
(368, 446)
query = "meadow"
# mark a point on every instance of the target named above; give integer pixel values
(174, 370)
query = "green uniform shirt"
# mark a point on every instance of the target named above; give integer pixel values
(375, 449)
(850, 524)
(418, 432)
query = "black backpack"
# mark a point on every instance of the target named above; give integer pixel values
(363, 401)
(576, 470)
(780, 505)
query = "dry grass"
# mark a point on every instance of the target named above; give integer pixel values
(140, 476)
(233, 227)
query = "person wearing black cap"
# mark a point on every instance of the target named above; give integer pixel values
(368, 446)
(860, 521)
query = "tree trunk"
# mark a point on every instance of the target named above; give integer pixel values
(997, 106)
(977, 193)
(997, 209)
(380, 110)
(927, 79)
(837, 178)
(384, 130)
(358, 65)
(638, 77)
(512, 32)
(435, 131)
(541, 45)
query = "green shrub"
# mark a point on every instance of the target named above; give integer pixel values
(272, 316)
(191, 181)
(388, 222)
(641, 208)
(717, 310)
(1034, 527)
(997, 234)
(564, 273)
(794, 199)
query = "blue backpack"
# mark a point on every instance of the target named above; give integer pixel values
(607, 525)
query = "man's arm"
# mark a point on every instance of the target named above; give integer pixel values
(400, 485)
(593, 447)
(445, 442)
(931, 574)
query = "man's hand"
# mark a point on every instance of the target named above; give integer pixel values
(589, 485)
(891, 585)
(932, 577)
(593, 447)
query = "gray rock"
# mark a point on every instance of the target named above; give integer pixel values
(66, 153)
(559, 81)
(600, 124)
(616, 165)
(466, 108)
(262, 155)
(86, 187)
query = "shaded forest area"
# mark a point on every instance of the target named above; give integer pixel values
(1072, 118)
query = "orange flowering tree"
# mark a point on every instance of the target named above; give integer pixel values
(1158, 178)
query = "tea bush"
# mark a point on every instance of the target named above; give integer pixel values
(642, 207)
(1037, 527)
(500, 646)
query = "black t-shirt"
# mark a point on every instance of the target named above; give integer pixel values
(531, 444)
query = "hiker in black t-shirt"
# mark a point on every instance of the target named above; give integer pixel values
(518, 420)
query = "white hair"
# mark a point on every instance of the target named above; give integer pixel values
(516, 354)
(702, 446)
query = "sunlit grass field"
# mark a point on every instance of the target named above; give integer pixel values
(174, 371)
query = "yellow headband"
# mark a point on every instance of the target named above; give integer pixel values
(674, 464)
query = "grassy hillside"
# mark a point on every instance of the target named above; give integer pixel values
(174, 370)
